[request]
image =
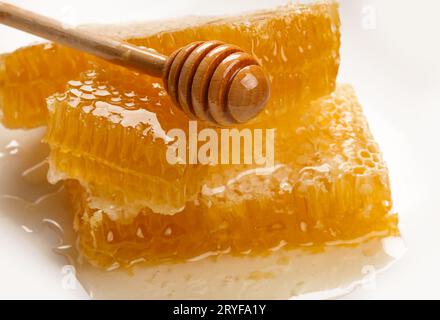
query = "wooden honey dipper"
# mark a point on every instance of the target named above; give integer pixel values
(211, 81)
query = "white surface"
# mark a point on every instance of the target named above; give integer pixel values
(390, 54)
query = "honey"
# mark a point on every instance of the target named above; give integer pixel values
(107, 129)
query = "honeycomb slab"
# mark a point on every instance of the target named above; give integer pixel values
(331, 187)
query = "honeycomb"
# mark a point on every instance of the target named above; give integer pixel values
(28, 76)
(108, 132)
(331, 187)
(298, 45)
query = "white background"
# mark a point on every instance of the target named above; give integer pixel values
(390, 53)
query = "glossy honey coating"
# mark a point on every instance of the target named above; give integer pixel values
(331, 187)
(111, 135)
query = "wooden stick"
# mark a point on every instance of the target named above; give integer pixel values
(121, 53)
